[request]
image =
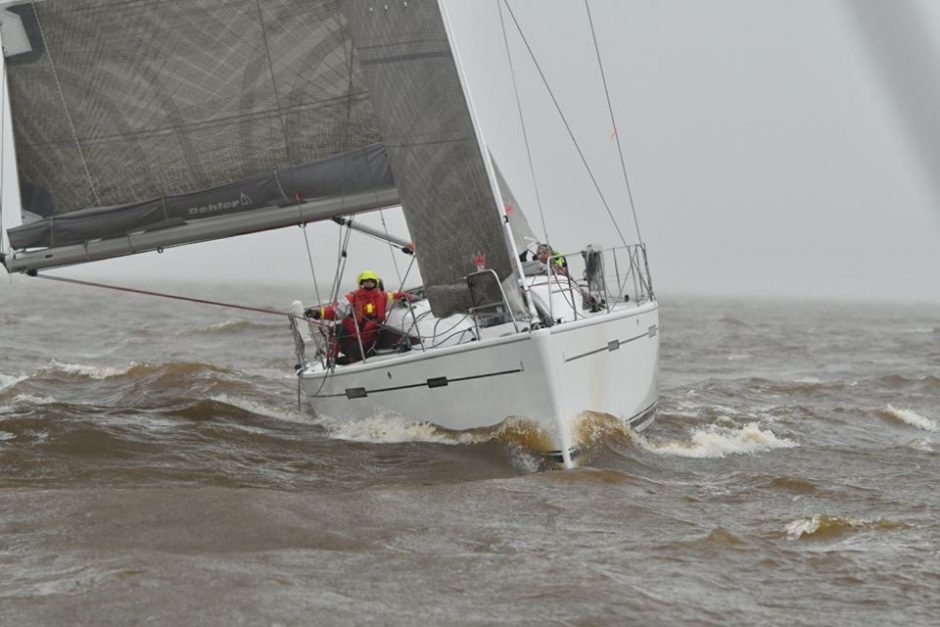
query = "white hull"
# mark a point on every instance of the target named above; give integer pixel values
(606, 363)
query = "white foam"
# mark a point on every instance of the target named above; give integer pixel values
(394, 429)
(9, 380)
(29, 399)
(92, 372)
(6, 435)
(921, 444)
(809, 526)
(808, 380)
(802, 527)
(721, 410)
(913, 419)
(524, 460)
(384, 428)
(717, 442)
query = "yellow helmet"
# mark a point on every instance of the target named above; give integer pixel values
(366, 275)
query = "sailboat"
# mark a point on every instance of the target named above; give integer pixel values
(150, 125)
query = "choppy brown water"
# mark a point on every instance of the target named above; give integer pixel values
(154, 468)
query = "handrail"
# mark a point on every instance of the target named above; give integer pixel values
(503, 302)
(630, 267)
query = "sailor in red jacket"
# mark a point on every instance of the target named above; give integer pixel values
(363, 313)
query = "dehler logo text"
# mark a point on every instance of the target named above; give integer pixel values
(243, 201)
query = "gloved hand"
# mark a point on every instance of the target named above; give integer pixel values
(312, 312)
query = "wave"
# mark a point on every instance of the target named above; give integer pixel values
(9, 380)
(922, 444)
(134, 370)
(911, 418)
(929, 382)
(87, 371)
(387, 428)
(717, 442)
(722, 538)
(800, 386)
(824, 527)
(590, 428)
(260, 409)
(791, 484)
(394, 429)
(30, 399)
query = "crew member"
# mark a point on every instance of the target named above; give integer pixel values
(555, 261)
(545, 254)
(362, 314)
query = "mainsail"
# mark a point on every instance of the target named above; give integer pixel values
(148, 115)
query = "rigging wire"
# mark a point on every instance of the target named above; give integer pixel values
(613, 121)
(525, 135)
(401, 280)
(313, 272)
(341, 261)
(391, 248)
(272, 312)
(577, 146)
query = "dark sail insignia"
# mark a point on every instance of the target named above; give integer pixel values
(126, 102)
(427, 129)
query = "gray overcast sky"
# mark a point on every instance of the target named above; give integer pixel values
(765, 149)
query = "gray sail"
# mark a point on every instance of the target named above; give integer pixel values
(130, 109)
(422, 112)
(522, 233)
